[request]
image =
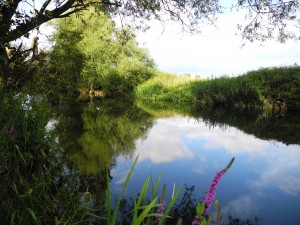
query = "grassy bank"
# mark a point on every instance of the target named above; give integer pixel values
(269, 88)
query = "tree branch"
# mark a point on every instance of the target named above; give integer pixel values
(44, 6)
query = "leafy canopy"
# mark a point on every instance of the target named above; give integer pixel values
(110, 57)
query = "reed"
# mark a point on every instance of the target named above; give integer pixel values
(142, 212)
(275, 88)
(166, 87)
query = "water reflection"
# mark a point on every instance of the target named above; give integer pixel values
(175, 136)
(190, 151)
(190, 146)
(263, 125)
(94, 133)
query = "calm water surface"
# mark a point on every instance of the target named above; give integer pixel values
(264, 180)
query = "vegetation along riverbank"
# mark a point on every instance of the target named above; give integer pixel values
(275, 89)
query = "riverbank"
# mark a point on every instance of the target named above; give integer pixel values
(275, 89)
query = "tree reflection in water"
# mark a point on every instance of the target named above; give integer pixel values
(94, 133)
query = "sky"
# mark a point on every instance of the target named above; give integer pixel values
(216, 51)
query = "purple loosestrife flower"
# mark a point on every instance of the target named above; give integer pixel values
(161, 209)
(211, 193)
(196, 221)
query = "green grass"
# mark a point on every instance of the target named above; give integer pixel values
(166, 87)
(34, 188)
(268, 88)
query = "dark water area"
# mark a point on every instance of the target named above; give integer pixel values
(188, 146)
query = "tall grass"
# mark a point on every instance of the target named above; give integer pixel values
(267, 88)
(34, 188)
(142, 212)
(226, 91)
(166, 87)
(154, 212)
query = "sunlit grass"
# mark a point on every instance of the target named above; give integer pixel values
(269, 88)
(167, 87)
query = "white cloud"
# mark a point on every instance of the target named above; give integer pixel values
(216, 51)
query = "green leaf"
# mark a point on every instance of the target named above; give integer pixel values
(200, 209)
(145, 212)
(114, 218)
(209, 219)
(33, 215)
(143, 192)
(203, 221)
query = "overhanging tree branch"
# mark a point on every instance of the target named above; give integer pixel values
(44, 15)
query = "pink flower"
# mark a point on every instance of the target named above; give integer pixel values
(10, 131)
(211, 193)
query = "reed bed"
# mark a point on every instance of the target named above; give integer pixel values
(275, 88)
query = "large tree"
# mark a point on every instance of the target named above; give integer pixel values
(91, 51)
(19, 17)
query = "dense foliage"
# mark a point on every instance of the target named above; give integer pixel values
(45, 172)
(38, 186)
(90, 51)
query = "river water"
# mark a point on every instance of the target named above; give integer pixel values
(188, 149)
(264, 180)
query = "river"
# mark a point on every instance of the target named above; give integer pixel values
(188, 147)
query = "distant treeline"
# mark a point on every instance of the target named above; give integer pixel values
(276, 89)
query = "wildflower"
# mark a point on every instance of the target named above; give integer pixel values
(196, 220)
(10, 130)
(161, 209)
(210, 195)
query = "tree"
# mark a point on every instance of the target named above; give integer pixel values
(19, 17)
(111, 57)
(268, 19)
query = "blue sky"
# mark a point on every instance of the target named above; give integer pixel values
(216, 51)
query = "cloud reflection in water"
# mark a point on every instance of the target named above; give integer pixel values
(264, 171)
(167, 141)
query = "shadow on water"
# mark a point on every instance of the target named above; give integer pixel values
(263, 125)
